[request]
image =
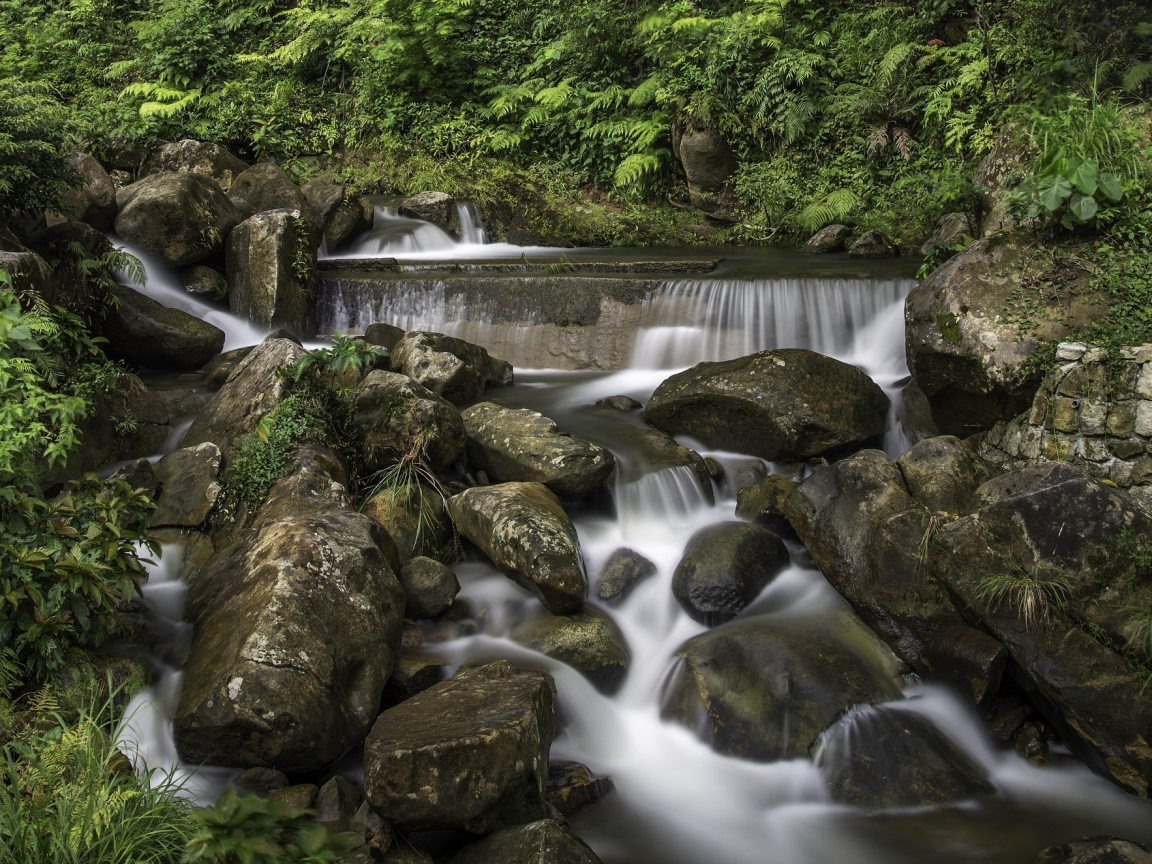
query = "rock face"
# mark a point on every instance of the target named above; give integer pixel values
(886, 757)
(534, 843)
(449, 367)
(708, 164)
(476, 746)
(941, 473)
(94, 199)
(439, 208)
(655, 451)
(523, 529)
(252, 391)
(189, 486)
(622, 571)
(992, 178)
(522, 445)
(266, 187)
(194, 157)
(396, 415)
(724, 568)
(267, 283)
(147, 334)
(789, 404)
(949, 230)
(429, 588)
(964, 349)
(764, 503)
(296, 630)
(415, 516)
(764, 689)
(180, 218)
(830, 238)
(589, 641)
(572, 787)
(342, 216)
(872, 244)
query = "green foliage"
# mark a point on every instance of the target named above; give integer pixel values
(34, 135)
(1035, 595)
(346, 355)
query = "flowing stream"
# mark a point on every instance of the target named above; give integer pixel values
(676, 800)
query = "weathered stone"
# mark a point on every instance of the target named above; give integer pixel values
(296, 629)
(764, 503)
(941, 473)
(140, 475)
(968, 659)
(589, 641)
(265, 187)
(525, 532)
(475, 745)
(621, 573)
(572, 787)
(266, 283)
(523, 445)
(396, 416)
(412, 674)
(994, 180)
(778, 405)
(950, 230)
(650, 451)
(429, 587)
(194, 157)
(180, 218)
(439, 208)
(147, 334)
(1099, 850)
(262, 779)
(708, 164)
(534, 843)
(872, 244)
(64, 247)
(449, 367)
(724, 568)
(219, 369)
(620, 403)
(415, 517)
(189, 486)
(336, 803)
(341, 216)
(94, 199)
(297, 797)
(830, 238)
(204, 281)
(384, 335)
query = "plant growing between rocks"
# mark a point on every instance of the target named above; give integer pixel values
(1036, 595)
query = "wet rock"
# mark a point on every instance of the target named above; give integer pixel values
(542, 841)
(189, 486)
(1006, 716)
(790, 404)
(475, 745)
(194, 157)
(252, 390)
(950, 230)
(266, 283)
(658, 451)
(403, 854)
(429, 587)
(523, 445)
(764, 689)
(219, 369)
(342, 215)
(324, 194)
(384, 335)
(708, 164)
(203, 281)
(571, 787)
(589, 641)
(438, 208)
(140, 475)
(64, 246)
(525, 532)
(297, 797)
(620, 403)
(737, 474)
(914, 412)
(296, 629)
(94, 199)
(266, 187)
(413, 673)
(262, 779)
(724, 568)
(378, 833)
(941, 473)
(180, 218)
(764, 503)
(416, 518)
(623, 570)
(336, 803)
(830, 238)
(1099, 850)
(449, 367)
(147, 334)
(884, 757)
(1032, 745)
(967, 659)
(396, 416)
(872, 244)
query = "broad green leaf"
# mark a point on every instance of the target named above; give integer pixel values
(1110, 186)
(1083, 175)
(1053, 191)
(1082, 207)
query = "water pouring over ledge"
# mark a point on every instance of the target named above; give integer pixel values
(677, 800)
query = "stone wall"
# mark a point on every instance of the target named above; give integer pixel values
(1093, 411)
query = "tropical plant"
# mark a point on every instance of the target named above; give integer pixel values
(344, 356)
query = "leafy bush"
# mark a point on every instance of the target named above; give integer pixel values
(346, 355)
(34, 136)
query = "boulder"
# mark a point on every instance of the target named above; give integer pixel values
(64, 246)
(148, 334)
(789, 404)
(764, 503)
(324, 194)
(262, 780)
(995, 177)
(621, 573)
(653, 451)
(941, 473)
(449, 367)
(252, 390)
(572, 787)
(182, 219)
(396, 416)
(140, 475)
(271, 273)
(296, 797)
(620, 403)
(189, 486)
(203, 281)
(542, 842)
(525, 532)
(882, 757)
(1097, 850)
(336, 803)
(523, 445)
(708, 164)
(830, 238)
(439, 208)
(589, 641)
(412, 674)
(343, 217)
(968, 660)
(914, 413)
(265, 187)
(872, 244)
(416, 518)
(764, 689)
(950, 230)
(220, 368)
(429, 588)
(296, 628)
(30, 273)
(94, 199)
(724, 568)
(194, 157)
(475, 746)
(384, 335)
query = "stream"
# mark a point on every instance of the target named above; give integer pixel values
(676, 800)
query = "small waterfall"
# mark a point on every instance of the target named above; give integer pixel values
(668, 499)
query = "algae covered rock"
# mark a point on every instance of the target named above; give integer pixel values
(182, 219)
(589, 641)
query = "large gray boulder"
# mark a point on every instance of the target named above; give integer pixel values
(93, 200)
(264, 187)
(788, 404)
(950, 230)
(439, 208)
(189, 486)
(941, 473)
(708, 164)
(872, 244)
(429, 588)
(396, 416)
(724, 568)
(270, 269)
(148, 334)
(765, 689)
(523, 445)
(296, 630)
(449, 367)
(830, 238)
(194, 157)
(525, 532)
(542, 842)
(180, 218)
(589, 641)
(343, 216)
(623, 570)
(467, 754)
